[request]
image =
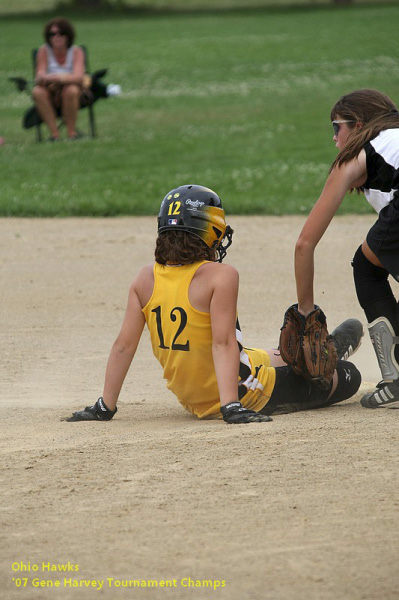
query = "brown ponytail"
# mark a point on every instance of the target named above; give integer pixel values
(373, 109)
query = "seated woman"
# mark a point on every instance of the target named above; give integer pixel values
(60, 67)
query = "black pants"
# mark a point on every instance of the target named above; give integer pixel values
(292, 392)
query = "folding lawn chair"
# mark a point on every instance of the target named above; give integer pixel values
(93, 89)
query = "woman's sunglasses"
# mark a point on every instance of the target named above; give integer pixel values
(54, 33)
(337, 124)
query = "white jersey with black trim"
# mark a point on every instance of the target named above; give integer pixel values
(382, 164)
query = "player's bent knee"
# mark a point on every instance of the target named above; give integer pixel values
(363, 267)
(371, 282)
(349, 380)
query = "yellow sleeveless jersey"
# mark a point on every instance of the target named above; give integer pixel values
(181, 339)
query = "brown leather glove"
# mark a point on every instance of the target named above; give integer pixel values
(306, 345)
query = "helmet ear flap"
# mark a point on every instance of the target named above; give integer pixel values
(218, 233)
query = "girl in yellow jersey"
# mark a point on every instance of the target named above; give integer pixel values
(188, 300)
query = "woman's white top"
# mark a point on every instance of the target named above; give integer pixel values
(54, 67)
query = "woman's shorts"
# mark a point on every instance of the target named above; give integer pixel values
(383, 237)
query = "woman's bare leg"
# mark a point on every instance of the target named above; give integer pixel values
(70, 106)
(42, 98)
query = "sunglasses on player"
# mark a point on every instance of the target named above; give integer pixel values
(337, 124)
(54, 33)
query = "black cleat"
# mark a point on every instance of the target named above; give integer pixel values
(385, 393)
(347, 338)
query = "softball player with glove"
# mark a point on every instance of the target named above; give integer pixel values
(188, 300)
(366, 133)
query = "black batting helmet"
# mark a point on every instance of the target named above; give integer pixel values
(198, 210)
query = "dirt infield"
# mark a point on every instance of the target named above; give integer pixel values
(157, 505)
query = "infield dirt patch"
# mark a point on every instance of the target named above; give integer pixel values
(303, 508)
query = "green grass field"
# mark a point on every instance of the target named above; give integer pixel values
(238, 101)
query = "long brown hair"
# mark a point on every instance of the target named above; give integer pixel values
(182, 247)
(372, 108)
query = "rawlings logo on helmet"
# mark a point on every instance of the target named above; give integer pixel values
(195, 203)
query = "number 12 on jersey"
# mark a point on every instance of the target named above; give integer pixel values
(175, 313)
